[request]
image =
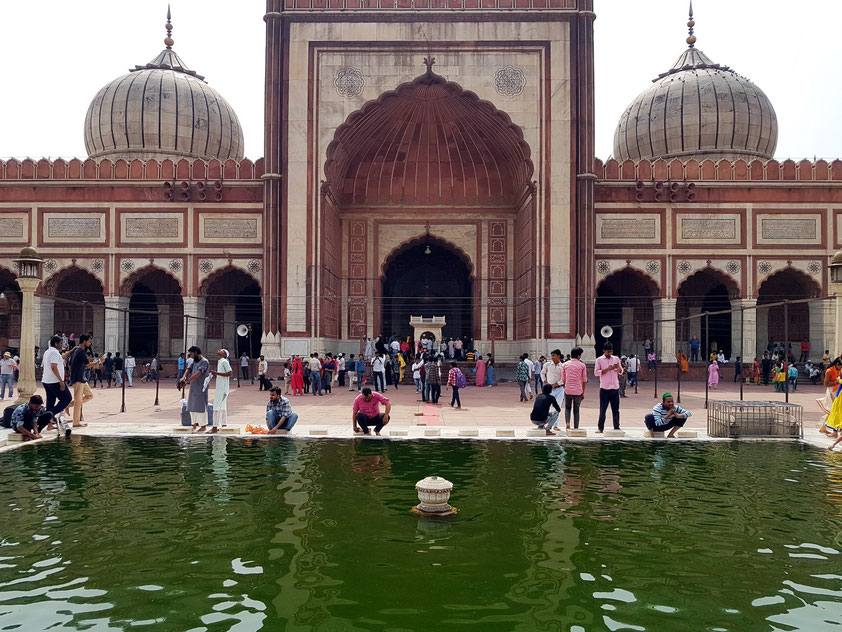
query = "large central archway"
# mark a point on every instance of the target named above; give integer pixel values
(427, 277)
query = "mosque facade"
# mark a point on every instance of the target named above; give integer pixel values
(425, 158)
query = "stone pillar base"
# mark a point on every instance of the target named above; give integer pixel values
(588, 345)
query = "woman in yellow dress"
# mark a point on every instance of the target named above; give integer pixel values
(833, 424)
(402, 363)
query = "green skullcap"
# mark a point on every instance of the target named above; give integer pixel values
(665, 395)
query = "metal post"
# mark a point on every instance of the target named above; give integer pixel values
(707, 356)
(786, 351)
(126, 355)
(678, 373)
(85, 317)
(742, 344)
(157, 383)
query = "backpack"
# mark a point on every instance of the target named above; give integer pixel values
(6, 421)
(461, 382)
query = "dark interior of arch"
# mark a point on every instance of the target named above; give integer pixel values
(153, 289)
(418, 284)
(627, 288)
(705, 291)
(235, 287)
(69, 315)
(792, 322)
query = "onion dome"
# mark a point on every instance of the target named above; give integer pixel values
(162, 110)
(698, 109)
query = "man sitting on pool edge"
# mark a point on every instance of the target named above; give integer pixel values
(279, 415)
(666, 416)
(367, 412)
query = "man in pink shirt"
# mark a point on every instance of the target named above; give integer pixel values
(608, 370)
(574, 375)
(367, 412)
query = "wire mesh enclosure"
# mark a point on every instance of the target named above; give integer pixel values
(735, 419)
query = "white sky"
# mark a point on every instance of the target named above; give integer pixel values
(58, 54)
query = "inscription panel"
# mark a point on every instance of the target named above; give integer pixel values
(151, 228)
(697, 229)
(628, 228)
(14, 227)
(789, 229)
(221, 229)
(71, 228)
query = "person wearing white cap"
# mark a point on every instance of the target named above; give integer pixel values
(223, 375)
(7, 375)
(341, 370)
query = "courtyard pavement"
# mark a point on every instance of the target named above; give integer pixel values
(488, 412)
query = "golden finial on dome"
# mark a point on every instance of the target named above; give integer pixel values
(168, 40)
(691, 40)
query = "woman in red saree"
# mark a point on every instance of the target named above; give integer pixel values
(297, 376)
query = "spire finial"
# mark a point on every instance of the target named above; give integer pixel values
(168, 40)
(429, 61)
(691, 40)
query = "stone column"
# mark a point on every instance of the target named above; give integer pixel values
(164, 343)
(116, 326)
(44, 320)
(744, 329)
(761, 318)
(26, 383)
(664, 309)
(629, 345)
(823, 317)
(194, 307)
(229, 328)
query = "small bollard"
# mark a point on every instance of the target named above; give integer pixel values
(433, 497)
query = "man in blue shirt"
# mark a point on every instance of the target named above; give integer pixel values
(666, 416)
(279, 415)
(360, 373)
(695, 343)
(181, 366)
(30, 419)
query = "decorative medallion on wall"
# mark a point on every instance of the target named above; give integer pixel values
(50, 266)
(205, 266)
(814, 267)
(510, 81)
(603, 267)
(254, 266)
(653, 267)
(175, 265)
(127, 265)
(764, 267)
(684, 267)
(349, 82)
(97, 265)
(733, 267)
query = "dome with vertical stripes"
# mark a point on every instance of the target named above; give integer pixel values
(698, 109)
(162, 110)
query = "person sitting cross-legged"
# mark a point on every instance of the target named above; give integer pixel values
(367, 412)
(666, 416)
(541, 415)
(30, 419)
(279, 415)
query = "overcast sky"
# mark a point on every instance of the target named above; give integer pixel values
(58, 54)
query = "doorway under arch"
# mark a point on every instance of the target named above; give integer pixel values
(707, 290)
(10, 309)
(624, 302)
(232, 298)
(787, 284)
(71, 287)
(156, 316)
(427, 278)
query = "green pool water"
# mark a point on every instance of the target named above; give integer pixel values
(232, 534)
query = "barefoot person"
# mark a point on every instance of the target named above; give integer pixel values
(574, 375)
(78, 382)
(367, 412)
(608, 369)
(197, 400)
(223, 375)
(666, 416)
(279, 415)
(541, 415)
(30, 419)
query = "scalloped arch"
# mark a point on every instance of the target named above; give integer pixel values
(218, 274)
(127, 286)
(433, 240)
(49, 286)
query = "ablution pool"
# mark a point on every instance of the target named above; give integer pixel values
(233, 534)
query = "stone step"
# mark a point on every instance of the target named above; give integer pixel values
(182, 429)
(398, 433)
(469, 432)
(230, 430)
(659, 435)
(536, 433)
(577, 432)
(615, 433)
(432, 432)
(687, 434)
(505, 433)
(14, 436)
(318, 432)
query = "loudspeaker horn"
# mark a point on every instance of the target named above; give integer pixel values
(606, 332)
(242, 331)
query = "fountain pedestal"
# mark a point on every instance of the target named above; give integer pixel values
(434, 494)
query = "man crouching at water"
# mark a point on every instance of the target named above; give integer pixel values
(367, 412)
(666, 416)
(279, 415)
(31, 418)
(541, 415)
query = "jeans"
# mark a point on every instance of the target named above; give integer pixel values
(30, 421)
(119, 376)
(694, 355)
(129, 376)
(632, 380)
(803, 356)
(539, 384)
(550, 423)
(244, 372)
(360, 380)
(649, 420)
(435, 393)
(380, 381)
(425, 394)
(272, 420)
(57, 400)
(793, 383)
(342, 378)
(609, 396)
(4, 381)
(522, 384)
(364, 422)
(455, 399)
(316, 383)
(572, 402)
(418, 384)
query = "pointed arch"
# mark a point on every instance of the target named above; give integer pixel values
(624, 301)
(433, 240)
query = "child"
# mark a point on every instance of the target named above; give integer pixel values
(287, 378)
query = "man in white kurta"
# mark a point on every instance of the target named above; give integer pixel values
(220, 399)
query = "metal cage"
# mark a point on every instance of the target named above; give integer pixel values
(735, 419)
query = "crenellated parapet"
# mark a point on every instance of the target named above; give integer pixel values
(678, 170)
(151, 169)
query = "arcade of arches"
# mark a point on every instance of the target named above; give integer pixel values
(631, 303)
